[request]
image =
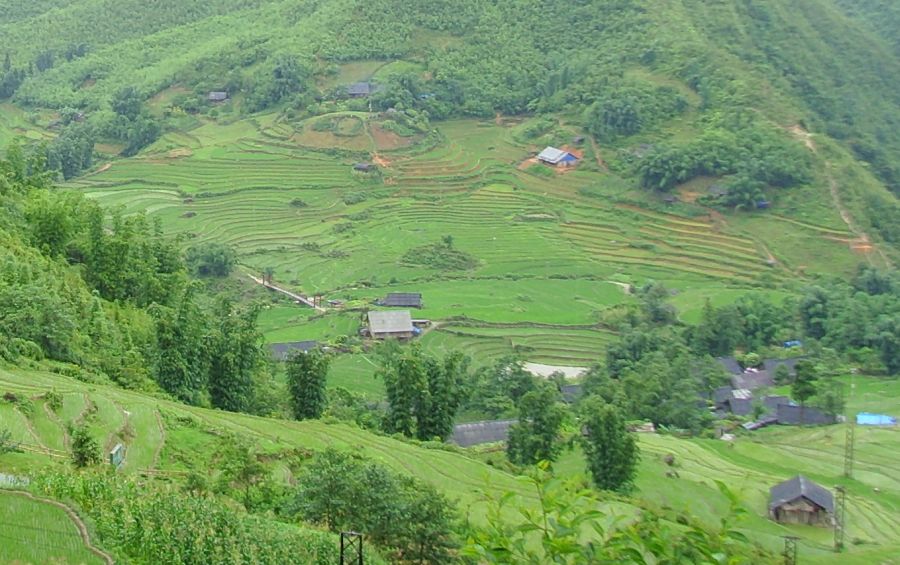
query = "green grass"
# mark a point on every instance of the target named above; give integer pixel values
(36, 532)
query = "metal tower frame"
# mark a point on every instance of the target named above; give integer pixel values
(351, 548)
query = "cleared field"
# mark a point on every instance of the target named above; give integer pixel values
(36, 532)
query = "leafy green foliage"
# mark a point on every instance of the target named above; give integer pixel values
(236, 354)
(85, 449)
(423, 393)
(156, 524)
(572, 530)
(307, 373)
(441, 256)
(345, 492)
(7, 444)
(611, 451)
(211, 259)
(536, 435)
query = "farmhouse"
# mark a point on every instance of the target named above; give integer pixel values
(364, 167)
(395, 324)
(282, 351)
(801, 501)
(217, 96)
(557, 157)
(359, 90)
(403, 300)
(752, 379)
(793, 415)
(476, 433)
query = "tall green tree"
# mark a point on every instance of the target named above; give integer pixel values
(444, 382)
(85, 449)
(236, 355)
(804, 386)
(307, 374)
(535, 437)
(610, 449)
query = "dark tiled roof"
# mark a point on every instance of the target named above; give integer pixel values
(731, 365)
(752, 380)
(477, 433)
(741, 406)
(797, 487)
(773, 402)
(403, 299)
(282, 351)
(721, 395)
(790, 415)
(771, 365)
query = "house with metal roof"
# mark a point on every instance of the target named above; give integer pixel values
(403, 300)
(557, 157)
(282, 351)
(801, 501)
(217, 96)
(392, 324)
(477, 433)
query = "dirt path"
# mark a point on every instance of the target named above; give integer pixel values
(162, 441)
(862, 243)
(76, 519)
(288, 293)
(597, 155)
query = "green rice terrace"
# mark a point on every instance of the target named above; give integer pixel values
(551, 250)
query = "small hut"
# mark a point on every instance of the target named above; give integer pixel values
(801, 501)
(217, 96)
(364, 167)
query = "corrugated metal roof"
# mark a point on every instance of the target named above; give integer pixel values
(394, 321)
(552, 155)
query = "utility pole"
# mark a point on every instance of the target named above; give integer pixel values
(839, 517)
(790, 550)
(351, 548)
(849, 441)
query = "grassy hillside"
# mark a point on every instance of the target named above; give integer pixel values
(166, 439)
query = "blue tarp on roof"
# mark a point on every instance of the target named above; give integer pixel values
(569, 158)
(867, 419)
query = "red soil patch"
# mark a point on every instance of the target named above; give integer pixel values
(388, 140)
(381, 161)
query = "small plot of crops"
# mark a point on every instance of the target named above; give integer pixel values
(32, 531)
(555, 346)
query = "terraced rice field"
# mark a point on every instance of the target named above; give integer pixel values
(34, 531)
(301, 210)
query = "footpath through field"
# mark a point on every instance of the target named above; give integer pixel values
(293, 295)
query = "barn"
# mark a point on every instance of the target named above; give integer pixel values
(395, 324)
(557, 157)
(359, 90)
(801, 501)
